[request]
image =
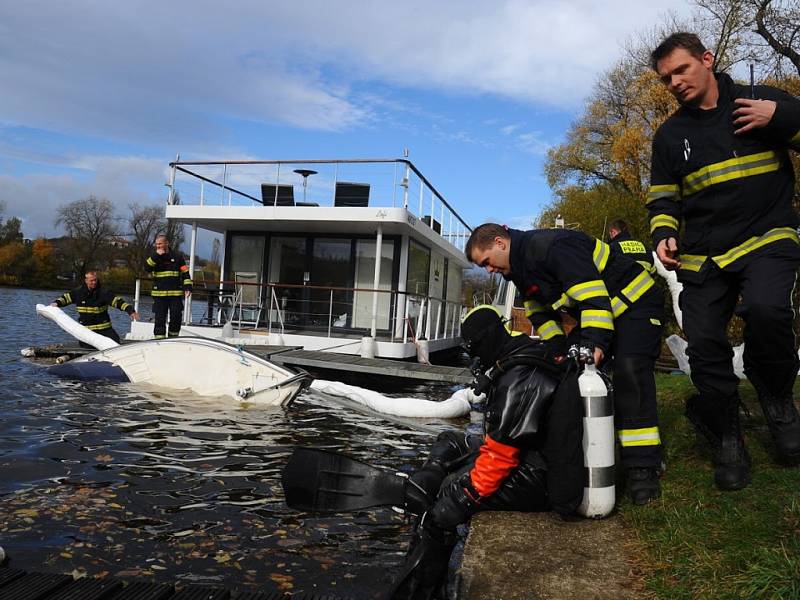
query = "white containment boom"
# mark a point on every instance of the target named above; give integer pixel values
(599, 492)
(75, 329)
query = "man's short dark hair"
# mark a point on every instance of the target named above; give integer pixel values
(483, 237)
(681, 39)
(618, 224)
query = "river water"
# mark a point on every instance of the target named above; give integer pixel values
(109, 479)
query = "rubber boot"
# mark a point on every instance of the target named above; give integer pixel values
(643, 485)
(718, 421)
(425, 570)
(782, 419)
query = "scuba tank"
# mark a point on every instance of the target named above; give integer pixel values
(599, 493)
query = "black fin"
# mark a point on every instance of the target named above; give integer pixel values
(322, 481)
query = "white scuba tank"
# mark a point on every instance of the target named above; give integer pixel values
(598, 445)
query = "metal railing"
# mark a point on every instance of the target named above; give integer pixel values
(385, 183)
(320, 310)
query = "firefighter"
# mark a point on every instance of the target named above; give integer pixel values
(618, 309)
(171, 283)
(721, 214)
(620, 240)
(92, 301)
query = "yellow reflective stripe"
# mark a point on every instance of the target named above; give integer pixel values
(549, 329)
(533, 307)
(773, 235)
(600, 255)
(663, 221)
(469, 313)
(733, 168)
(640, 284)
(663, 191)
(99, 326)
(163, 293)
(602, 319)
(647, 436)
(68, 298)
(796, 138)
(588, 289)
(564, 300)
(692, 262)
(159, 337)
(655, 322)
(618, 306)
(647, 266)
(151, 262)
(187, 282)
(92, 309)
(166, 274)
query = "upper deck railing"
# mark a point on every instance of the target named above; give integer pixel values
(376, 183)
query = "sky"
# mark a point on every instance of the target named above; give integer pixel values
(97, 98)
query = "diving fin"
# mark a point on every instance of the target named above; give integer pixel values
(322, 481)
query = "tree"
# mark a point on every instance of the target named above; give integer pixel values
(174, 230)
(43, 265)
(11, 231)
(91, 224)
(145, 223)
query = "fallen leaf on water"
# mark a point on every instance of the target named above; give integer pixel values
(104, 457)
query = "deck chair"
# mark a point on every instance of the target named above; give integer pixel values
(351, 194)
(285, 194)
(249, 308)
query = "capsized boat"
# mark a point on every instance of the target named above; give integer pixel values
(203, 366)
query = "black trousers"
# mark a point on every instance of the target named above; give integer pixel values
(764, 279)
(636, 346)
(163, 305)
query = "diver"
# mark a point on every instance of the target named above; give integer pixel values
(529, 458)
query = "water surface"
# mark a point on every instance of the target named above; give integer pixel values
(102, 478)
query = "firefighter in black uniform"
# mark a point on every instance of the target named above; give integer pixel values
(92, 302)
(171, 282)
(529, 458)
(721, 169)
(619, 311)
(620, 240)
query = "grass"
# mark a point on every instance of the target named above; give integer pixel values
(698, 542)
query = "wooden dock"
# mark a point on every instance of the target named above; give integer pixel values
(19, 585)
(297, 357)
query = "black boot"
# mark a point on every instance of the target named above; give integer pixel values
(718, 421)
(425, 569)
(643, 485)
(782, 418)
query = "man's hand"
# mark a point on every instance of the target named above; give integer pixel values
(187, 293)
(667, 252)
(54, 304)
(134, 316)
(598, 355)
(752, 114)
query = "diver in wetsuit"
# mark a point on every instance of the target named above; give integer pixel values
(530, 457)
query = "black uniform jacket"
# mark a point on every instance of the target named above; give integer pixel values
(731, 194)
(170, 275)
(93, 305)
(525, 416)
(634, 249)
(558, 269)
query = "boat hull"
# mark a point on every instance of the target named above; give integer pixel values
(205, 367)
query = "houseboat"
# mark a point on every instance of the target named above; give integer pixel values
(298, 264)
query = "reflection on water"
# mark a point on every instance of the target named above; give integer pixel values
(127, 481)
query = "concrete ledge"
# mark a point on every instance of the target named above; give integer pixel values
(539, 556)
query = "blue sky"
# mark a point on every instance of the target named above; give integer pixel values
(97, 97)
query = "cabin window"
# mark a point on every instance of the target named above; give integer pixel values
(419, 266)
(365, 280)
(330, 268)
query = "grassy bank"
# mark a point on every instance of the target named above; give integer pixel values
(698, 542)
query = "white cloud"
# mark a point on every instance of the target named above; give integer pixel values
(36, 197)
(153, 70)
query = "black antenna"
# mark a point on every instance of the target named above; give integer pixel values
(752, 83)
